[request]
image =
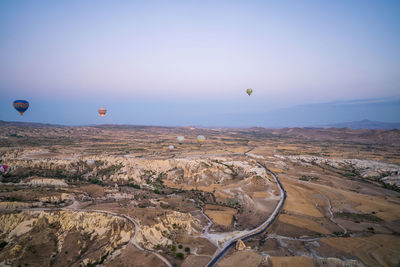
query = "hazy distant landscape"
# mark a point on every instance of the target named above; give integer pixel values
(366, 124)
(355, 125)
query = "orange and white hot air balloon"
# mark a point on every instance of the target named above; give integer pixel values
(102, 111)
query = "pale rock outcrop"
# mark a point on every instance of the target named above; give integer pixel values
(122, 170)
(384, 172)
(254, 156)
(240, 245)
(157, 234)
(46, 182)
(22, 228)
(12, 205)
(96, 225)
(8, 222)
(57, 198)
(335, 262)
(393, 180)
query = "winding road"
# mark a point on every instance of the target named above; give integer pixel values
(257, 231)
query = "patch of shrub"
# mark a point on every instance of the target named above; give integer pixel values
(308, 178)
(157, 191)
(95, 181)
(360, 217)
(3, 244)
(163, 206)
(134, 185)
(341, 234)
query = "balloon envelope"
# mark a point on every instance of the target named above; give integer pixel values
(3, 168)
(102, 111)
(90, 163)
(180, 139)
(249, 91)
(171, 147)
(201, 138)
(21, 106)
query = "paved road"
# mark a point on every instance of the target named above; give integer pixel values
(260, 229)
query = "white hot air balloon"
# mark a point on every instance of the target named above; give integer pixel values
(180, 139)
(91, 163)
(171, 147)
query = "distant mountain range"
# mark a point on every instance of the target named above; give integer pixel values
(354, 125)
(365, 124)
(29, 124)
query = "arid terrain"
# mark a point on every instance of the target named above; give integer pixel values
(117, 196)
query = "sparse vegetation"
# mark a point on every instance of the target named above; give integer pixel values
(308, 178)
(95, 181)
(156, 191)
(341, 234)
(164, 206)
(360, 217)
(134, 185)
(3, 244)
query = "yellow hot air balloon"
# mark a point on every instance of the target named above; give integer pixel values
(249, 91)
(102, 111)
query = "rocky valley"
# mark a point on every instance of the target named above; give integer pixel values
(117, 196)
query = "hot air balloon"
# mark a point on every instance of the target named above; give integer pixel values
(180, 139)
(201, 139)
(171, 147)
(21, 106)
(249, 91)
(90, 163)
(102, 111)
(3, 168)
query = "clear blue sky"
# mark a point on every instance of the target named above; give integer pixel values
(188, 62)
